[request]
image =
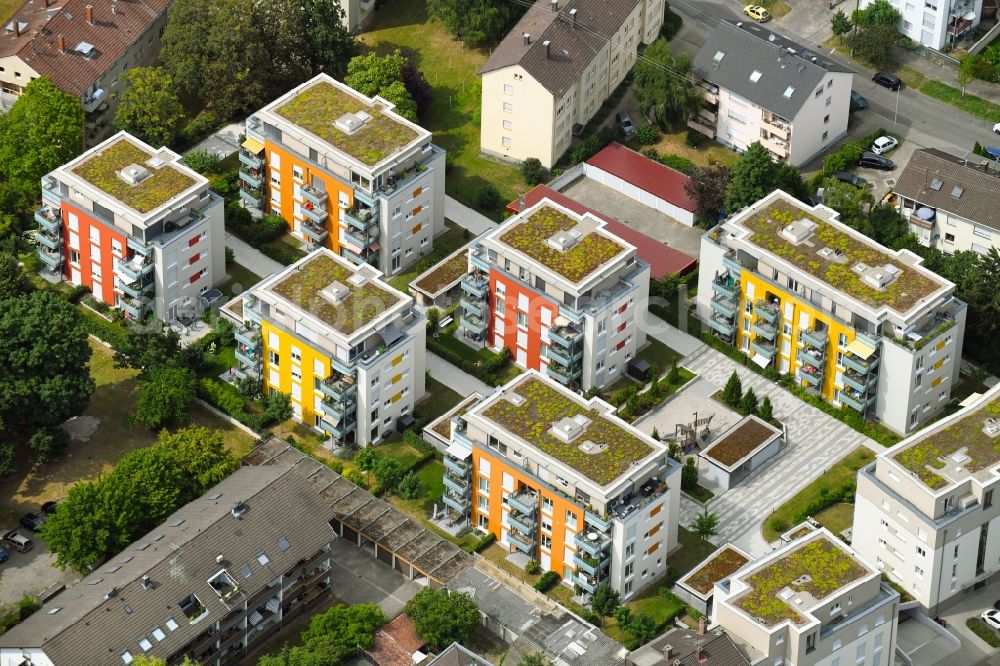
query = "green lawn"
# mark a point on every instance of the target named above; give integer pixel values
(976, 106)
(440, 399)
(445, 244)
(842, 472)
(693, 550)
(240, 279)
(658, 354)
(836, 518)
(400, 451)
(450, 68)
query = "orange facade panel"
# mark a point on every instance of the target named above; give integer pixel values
(523, 341)
(98, 246)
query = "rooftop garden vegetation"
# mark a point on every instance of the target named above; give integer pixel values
(724, 563)
(162, 185)
(740, 442)
(827, 566)
(901, 294)
(544, 406)
(318, 106)
(360, 306)
(966, 433)
(444, 274)
(576, 263)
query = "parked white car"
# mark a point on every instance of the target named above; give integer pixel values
(996, 128)
(884, 144)
(992, 618)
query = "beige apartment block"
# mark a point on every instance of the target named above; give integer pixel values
(813, 602)
(924, 512)
(554, 70)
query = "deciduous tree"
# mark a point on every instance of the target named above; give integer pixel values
(13, 281)
(605, 600)
(148, 347)
(476, 22)
(705, 524)
(149, 107)
(441, 618)
(165, 396)
(708, 187)
(663, 87)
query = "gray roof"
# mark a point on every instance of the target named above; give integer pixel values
(457, 655)
(975, 202)
(571, 48)
(719, 650)
(85, 625)
(782, 64)
(550, 629)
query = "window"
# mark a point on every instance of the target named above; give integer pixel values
(825, 135)
(263, 558)
(505, 141)
(629, 550)
(921, 552)
(508, 89)
(547, 505)
(570, 520)
(127, 657)
(145, 644)
(919, 572)
(546, 541)
(508, 107)
(949, 238)
(484, 484)
(826, 119)
(522, 319)
(171, 624)
(829, 101)
(861, 654)
(508, 125)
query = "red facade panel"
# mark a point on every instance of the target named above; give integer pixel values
(541, 313)
(92, 254)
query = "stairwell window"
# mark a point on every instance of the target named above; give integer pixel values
(508, 107)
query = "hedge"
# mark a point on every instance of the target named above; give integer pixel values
(844, 493)
(980, 628)
(483, 543)
(101, 328)
(485, 370)
(548, 580)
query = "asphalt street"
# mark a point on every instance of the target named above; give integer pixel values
(921, 119)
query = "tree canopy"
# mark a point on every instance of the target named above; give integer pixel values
(373, 74)
(145, 348)
(663, 87)
(476, 22)
(165, 397)
(13, 280)
(441, 618)
(332, 638)
(876, 32)
(101, 517)
(46, 342)
(756, 175)
(149, 107)
(708, 187)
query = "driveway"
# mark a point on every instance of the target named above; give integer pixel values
(974, 650)
(362, 579)
(223, 143)
(815, 442)
(31, 573)
(466, 217)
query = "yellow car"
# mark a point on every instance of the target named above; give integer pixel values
(757, 13)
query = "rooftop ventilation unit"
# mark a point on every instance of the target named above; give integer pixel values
(357, 279)
(799, 230)
(349, 122)
(147, 584)
(567, 429)
(562, 241)
(134, 174)
(336, 291)
(238, 510)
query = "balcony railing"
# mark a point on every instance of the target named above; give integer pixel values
(48, 240)
(723, 325)
(316, 232)
(854, 401)
(135, 289)
(314, 196)
(860, 365)
(522, 543)
(49, 219)
(473, 323)
(523, 523)
(50, 258)
(251, 179)
(254, 199)
(247, 335)
(812, 355)
(249, 159)
(816, 338)
(586, 581)
(247, 355)
(339, 409)
(724, 305)
(593, 543)
(600, 523)
(525, 502)
(475, 307)
(362, 219)
(341, 428)
(763, 348)
(562, 373)
(476, 286)
(136, 307)
(857, 381)
(809, 375)
(765, 330)
(367, 256)
(135, 268)
(456, 466)
(766, 311)
(317, 214)
(565, 335)
(337, 387)
(456, 483)
(458, 503)
(362, 240)
(564, 357)
(698, 124)
(589, 564)
(726, 285)
(731, 261)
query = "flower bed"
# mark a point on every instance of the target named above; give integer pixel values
(162, 185)
(544, 406)
(576, 263)
(362, 305)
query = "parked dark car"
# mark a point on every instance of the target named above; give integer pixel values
(857, 101)
(49, 508)
(4, 555)
(890, 81)
(849, 178)
(32, 521)
(870, 160)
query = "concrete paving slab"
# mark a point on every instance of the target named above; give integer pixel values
(362, 579)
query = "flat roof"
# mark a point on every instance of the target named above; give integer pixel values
(320, 105)
(816, 243)
(444, 274)
(964, 445)
(741, 441)
(798, 577)
(342, 296)
(603, 449)
(588, 246)
(442, 424)
(721, 564)
(158, 178)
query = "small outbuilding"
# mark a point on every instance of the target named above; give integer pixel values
(697, 587)
(739, 451)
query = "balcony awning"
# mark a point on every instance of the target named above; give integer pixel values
(860, 349)
(255, 618)
(761, 360)
(253, 145)
(458, 451)
(273, 604)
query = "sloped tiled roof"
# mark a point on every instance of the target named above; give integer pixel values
(976, 202)
(110, 35)
(781, 66)
(571, 48)
(662, 259)
(646, 174)
(717, 649)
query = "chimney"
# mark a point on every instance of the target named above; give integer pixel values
(17, 26)
(146, 583)
(702, 626)
(572, 18)
(555, 5)
(699, 652)
(546, 44)
(668, 652)
(527, 38)
(88, 14)
(61, 44)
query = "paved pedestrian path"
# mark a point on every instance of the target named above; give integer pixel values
(222, 143)
(465, 217)
(251, 258)
(455, 378)
(815, 442)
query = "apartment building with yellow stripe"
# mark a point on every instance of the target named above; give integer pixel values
(347, 173)
(852, 321)
(346, 346)
(565, 482)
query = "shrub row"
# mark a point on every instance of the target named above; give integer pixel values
(483, 543)
(844, 493)
(548, 580)
(484, 370)
(228, 399)
(101, 328)
(848, 154)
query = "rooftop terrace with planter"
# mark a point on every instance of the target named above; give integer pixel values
(815, 242)
(334, 292)
(444, 274)
(721, 564)
(787, 586)
(562, 425)
(132, 175)
(573, 247)
(347, 121)
(965, 445)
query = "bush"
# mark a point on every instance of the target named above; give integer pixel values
(671, 24)
(230, 255)
(409, 486)
(533, 172)
(532, 568)
(778, 524)
(272, 227)
(548, 580)
(102, 329)
(222, 396)
(203, 162)
(197, 129)
(483, 543)
(682, 164)
(489, 198)
(49, 442)
(476, 370)
(647, 135)
(693, 139)
(285, 256)
(979, 628)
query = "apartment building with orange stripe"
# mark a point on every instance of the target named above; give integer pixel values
(344, 344)
(347, 173)
(561, 292)
(564, 481)
(136, 226)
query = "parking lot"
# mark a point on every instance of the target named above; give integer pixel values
(29, 573)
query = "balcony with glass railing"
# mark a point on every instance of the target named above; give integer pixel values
(563, 374)
(724, 305)
(247, 355)
(523, 522)
(813, 355)
(860, 365)
(137, 288)
(476, 286)
(314, 196)
(135, 267)
(473, 323)
(722, 324)
(457, 502)
(248, 335)
(254, 198)
(456, 483)
(338, 387)
(316, 232)
(816, 338)
(568, 358)
(136, 308)
(590, 564)
(526, 502)
(251, 160)
(586, 581)
(49, 219)
(767, 311)
(252, 179)
(363, 240)
(361, 218)
(316, 214)
(51, 258)
(857, 381)
(523, 543)
(456, 466)
(473, 306)
(339, 408)
(50, 240)
(565, 336)
(810, 375)
(726, 285)
(339, 428)
(855, 400)
(765, 330)
(592, 542)
(763, 347)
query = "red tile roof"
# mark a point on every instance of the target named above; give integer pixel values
(646, 174)
(110, 35)
(662, 259)
(395, 643)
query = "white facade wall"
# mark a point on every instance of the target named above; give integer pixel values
(602, 362)
(636, 194)
(822, 119)
(375, 386)
(632, 565)
(398, 242)
(927, 22)
(953, 233)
